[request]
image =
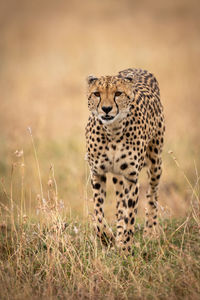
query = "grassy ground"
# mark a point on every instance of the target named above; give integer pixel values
(47, 48)
(60, 259)
(46, 54)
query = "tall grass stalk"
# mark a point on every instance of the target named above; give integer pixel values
(37, 162)
(195, 209)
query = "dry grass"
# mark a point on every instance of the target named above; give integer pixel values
(47, 48)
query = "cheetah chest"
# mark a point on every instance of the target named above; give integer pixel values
(117, 159)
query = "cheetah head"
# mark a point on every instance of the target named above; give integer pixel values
(110, 97)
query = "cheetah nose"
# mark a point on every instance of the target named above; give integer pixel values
(106, 109)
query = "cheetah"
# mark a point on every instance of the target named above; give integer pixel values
(124, 133)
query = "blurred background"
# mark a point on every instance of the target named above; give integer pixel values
(47, 49)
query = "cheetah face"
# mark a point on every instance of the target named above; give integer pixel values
(109, 97)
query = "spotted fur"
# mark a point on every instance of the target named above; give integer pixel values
(124, 133)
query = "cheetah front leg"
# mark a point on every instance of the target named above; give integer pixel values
(154, 173)
(127, 201)
(121, 204)
(99, 194)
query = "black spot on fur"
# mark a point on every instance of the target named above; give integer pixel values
(123, 166)
(100, 200)
(132, 221)
(96, 186)
(126, 220)
(114, 180)
(130, 203)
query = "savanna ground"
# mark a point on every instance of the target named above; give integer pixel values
(47, 48)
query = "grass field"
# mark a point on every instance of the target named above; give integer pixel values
(63, 261)
(47, 49)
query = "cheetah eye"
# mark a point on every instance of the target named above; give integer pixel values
(117, 94)
(97, 94)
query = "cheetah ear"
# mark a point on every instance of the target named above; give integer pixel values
(91, 79)
(129, 78)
